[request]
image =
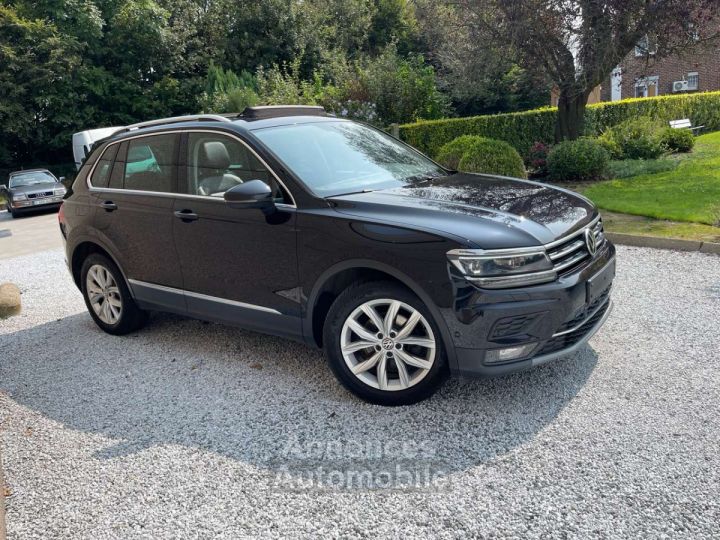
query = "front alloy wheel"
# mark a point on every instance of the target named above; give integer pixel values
(388, 344)
(383, 344)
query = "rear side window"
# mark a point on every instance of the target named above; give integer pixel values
(101, 174)
(151, 163)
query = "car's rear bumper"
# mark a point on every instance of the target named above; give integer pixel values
(553, 320)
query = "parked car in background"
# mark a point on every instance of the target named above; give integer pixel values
(288, 221)
(32, 189)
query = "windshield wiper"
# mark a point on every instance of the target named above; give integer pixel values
(350, 193)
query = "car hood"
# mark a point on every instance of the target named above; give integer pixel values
(45, 186)
(489, 212)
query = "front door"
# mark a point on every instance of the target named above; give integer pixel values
(238, 265)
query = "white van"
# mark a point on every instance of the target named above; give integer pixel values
(82, 142)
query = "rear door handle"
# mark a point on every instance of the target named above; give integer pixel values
(186, 215)
(109, 206)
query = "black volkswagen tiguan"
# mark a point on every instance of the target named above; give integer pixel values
(292, 222)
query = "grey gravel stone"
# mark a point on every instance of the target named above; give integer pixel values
(175, 432)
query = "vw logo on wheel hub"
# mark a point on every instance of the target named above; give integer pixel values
(590, 241)
(387, 344)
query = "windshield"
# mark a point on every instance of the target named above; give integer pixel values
(334, 158)
(30, 178)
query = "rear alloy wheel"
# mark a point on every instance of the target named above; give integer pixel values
(108, 298)
(383, 345)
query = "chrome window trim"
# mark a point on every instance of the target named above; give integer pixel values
(94, 189)
(201, 296)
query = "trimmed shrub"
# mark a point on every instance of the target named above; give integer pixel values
(677, 140)
(523, 129)
(637, 138)
(493, 157)
(450, 154)
(580, 160)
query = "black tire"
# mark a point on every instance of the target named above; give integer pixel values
(131, 317)
(343, 307)
(13, 213)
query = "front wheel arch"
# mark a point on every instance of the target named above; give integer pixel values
(374, 270)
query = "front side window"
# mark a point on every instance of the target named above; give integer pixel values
(333, 158)
(216, 163)
(150, 164)
(30, 178)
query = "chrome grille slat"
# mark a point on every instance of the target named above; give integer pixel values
(567, 254)
(571, 261)
(577, 244)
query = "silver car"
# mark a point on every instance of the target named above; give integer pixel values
(32, 189)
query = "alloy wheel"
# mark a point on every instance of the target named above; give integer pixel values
(103, 294)
(388, 344)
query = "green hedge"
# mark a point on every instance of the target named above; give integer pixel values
(523, 129)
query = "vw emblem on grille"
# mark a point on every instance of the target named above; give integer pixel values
(590, 241)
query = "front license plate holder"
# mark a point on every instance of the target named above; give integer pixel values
(597, 284)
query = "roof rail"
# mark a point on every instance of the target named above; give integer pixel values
(274, 111)
(175, 120)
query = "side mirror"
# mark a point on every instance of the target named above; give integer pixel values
(3, 187)
(61, 179)
(250, 194)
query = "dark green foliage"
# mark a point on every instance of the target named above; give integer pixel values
(677, 140)
(523, 129)
(580, 160)
(482, 155)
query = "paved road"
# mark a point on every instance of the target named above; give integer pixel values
(29, 233)
(196, 430)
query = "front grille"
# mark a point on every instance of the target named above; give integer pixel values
(571, 338)
(572, 253)
(40, 194)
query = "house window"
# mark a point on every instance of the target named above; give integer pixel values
(647, 87)
(645, 46)
(693, 80)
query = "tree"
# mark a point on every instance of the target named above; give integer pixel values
(579, 42)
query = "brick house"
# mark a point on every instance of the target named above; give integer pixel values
(640, 75)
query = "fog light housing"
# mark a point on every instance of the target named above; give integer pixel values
(498, 356)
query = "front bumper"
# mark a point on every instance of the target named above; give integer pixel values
(37, 204)
(557, 319)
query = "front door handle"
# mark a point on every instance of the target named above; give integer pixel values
(186, 215)
(109, 206)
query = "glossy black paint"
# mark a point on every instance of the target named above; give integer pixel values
(271, 269)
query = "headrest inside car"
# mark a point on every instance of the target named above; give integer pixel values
(214, 155)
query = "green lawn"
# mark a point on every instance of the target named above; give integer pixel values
(690, 192)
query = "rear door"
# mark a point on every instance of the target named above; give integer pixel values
(134, 198)
(239, 265)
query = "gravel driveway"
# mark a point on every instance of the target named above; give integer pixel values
(195, 430)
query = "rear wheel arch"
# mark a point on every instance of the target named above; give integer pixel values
(81, 252)
(334, 280)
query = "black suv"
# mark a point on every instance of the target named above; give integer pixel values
(288, 221)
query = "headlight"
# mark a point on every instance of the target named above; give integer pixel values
(19, 197)
(500, 269)
(59, 191)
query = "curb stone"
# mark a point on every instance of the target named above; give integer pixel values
(663, 243)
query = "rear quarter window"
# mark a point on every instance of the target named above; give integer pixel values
(101, 174)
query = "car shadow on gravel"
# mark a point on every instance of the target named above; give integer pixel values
(270, 403)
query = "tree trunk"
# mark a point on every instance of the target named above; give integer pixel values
(571, 115)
